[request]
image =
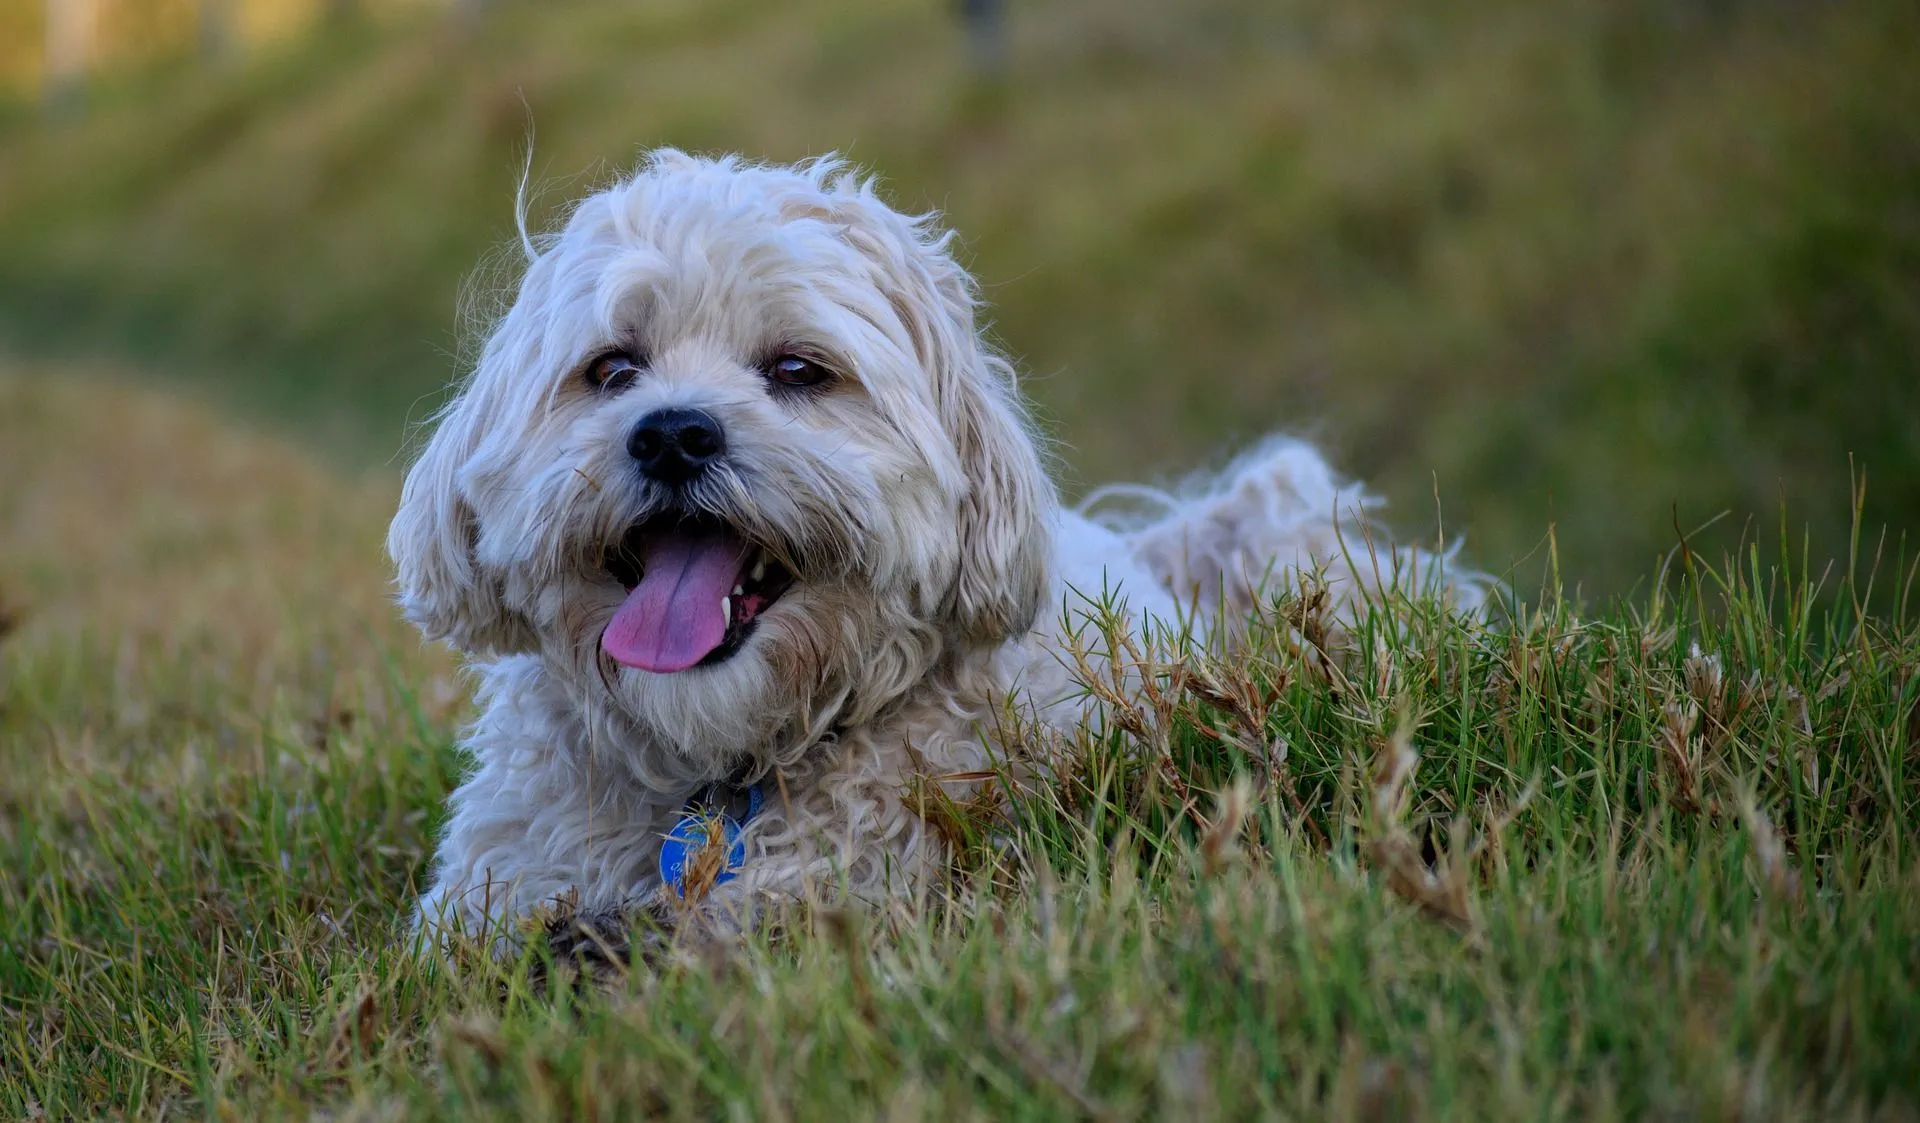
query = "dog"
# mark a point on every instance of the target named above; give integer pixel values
(742, 527)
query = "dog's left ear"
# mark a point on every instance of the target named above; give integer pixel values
(1006, 531)
(1007, 511)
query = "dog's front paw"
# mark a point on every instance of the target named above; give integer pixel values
(601, 945)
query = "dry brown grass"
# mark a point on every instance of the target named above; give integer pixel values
(161, 568)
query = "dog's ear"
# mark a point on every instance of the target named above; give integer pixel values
(1006, 531)
(1007, 510)
(441, 589)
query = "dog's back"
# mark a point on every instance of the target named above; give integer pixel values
(1223, 542)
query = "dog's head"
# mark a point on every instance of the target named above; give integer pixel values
(736, 463)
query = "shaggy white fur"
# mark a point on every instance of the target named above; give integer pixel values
(876, 451)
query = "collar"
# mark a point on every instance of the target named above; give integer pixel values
(722, 805)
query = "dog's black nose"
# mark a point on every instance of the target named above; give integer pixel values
(675, 445)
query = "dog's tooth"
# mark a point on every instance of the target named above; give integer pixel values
(726, 610)
(759, 568)
(739, 590)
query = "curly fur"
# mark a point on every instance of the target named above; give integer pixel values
(937, 570)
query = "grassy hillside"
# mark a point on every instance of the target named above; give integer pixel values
(1615, 266)
(1656, 862)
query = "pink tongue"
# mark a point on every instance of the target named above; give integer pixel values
(673, 618)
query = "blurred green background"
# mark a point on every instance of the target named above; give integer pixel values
(1610, 266)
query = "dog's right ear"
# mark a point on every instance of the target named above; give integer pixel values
(1004, 517)
(441, 588)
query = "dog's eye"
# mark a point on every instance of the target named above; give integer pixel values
(614, 370)
(797, 370)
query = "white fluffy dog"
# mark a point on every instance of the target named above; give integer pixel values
(743, 527)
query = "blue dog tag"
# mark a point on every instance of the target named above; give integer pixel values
(712, 807)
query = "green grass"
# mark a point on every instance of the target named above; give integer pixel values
(1607, 265)
(1654, 859)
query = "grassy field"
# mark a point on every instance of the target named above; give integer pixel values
(1645, 848)
(1615, 265)
(1651, 860)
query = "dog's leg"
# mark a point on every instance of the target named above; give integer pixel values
(528, 833)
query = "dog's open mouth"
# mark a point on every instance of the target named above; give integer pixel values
(695, 590)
